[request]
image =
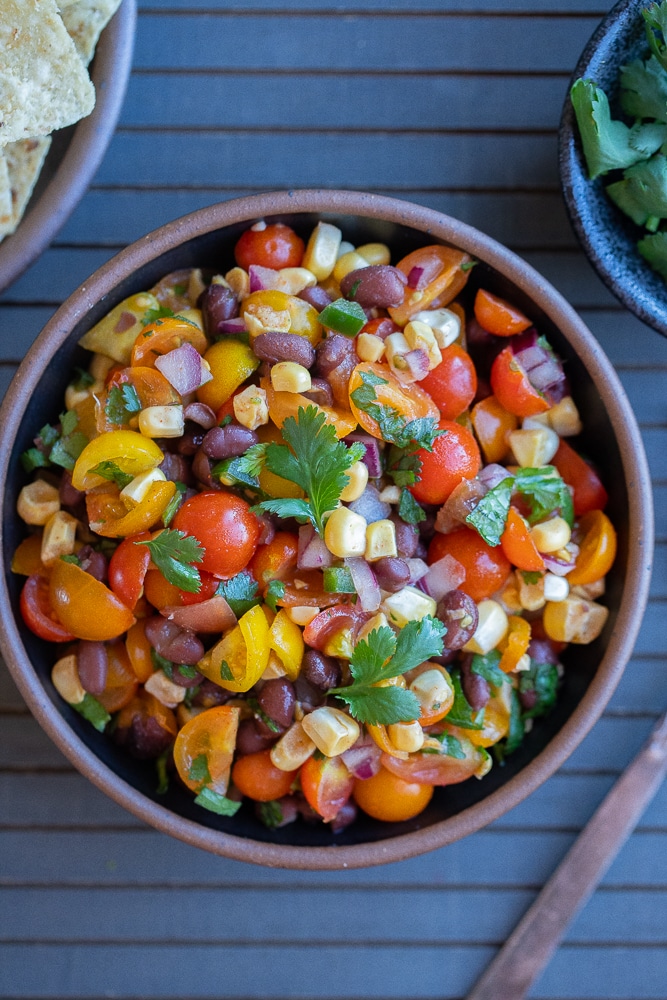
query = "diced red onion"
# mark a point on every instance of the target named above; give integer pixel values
(492, 474)
(428, 272)
(540, 364)
(371, 457)
(312, 553)
(461, 501)
(363, 759)
(235, 325)
(184, 369)
(415, 276)
(547, 374)
(365, 583)
(200, 414)
(369, 505)
(417, 366)
(444, 575)
(559, 567)
(262, 278)
(210, 616)
(418, 569)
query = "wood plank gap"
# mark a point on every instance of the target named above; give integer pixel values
(387, 133)
(371, 15)
(332, 71)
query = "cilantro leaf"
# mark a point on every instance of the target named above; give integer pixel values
(226, 671)
(450, 746)
(94, 712)
(122, 402)
(33, 459)
(644, 89)
(642, 194)
(417, 642)
(67, 449)
(162, 773)
(270, 814)
(490, 515)
(655, 17)
(402, 466)
(531, 577)
(419, 433)
(240, 592)
(159, 312)
(409, 510)
(217, 803)
(371, 654)
(653, 249)
(274, 591)
(487, 667)
(461, 713)
(109, 470)
(542, 680)
(315, 460)
(198, 770)
(174, 554)
(609, 144)
(546, 492)
(381, 706)
(82, 379)
(517, 729)
(174, 504)
(260, 714)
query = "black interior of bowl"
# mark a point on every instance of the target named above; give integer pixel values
(608, 236)
(214, 251)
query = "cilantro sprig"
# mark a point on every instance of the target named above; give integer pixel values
(240, 592)
(542, 489)
(315, 460)
(175, 553)
(412, 435)
(122, 402)
(383, 656)
(59, 445)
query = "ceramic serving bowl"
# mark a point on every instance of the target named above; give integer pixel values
(76, 152)
(607, 235)
(206, 238)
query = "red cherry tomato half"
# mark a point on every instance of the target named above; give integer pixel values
(453, 383)
(274, 560)
(512, 387)
(327, 785)
(127, 568)
(455, 456)
(273, 246)
(495, 315)
(37, 612)
(486, 568)
(589, 493)
(228, 532)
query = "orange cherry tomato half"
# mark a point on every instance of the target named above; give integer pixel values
(589, 493)
(86, 607)
(256, 776)
(493, 423)
(387, 797)
(518, 545)
(122, 682)
(410, 401)
(37, 612)
(327, 785)
(452, 384)
(204, 749)
(274, 560)
(512, 387)
(273, 246)
(597, 549)
(486, 568)
(127, 568)
(455, 456)
(224, 526)
(446, 263)
(514, 644)
(140, 650)
(497, 316)
(165, 335)
(162, 594)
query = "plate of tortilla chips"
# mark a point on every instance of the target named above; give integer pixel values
(63, 76)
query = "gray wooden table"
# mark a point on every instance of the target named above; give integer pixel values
(453, 104)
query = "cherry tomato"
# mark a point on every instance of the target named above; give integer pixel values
(327, 785)
(447, 277)
(493, 423)
(274, 560)
(86, 607)
(495, 315)
(589, 493)
(38, 613)
(515, 643)
(410, 401)
(438, 769)
(165, 335)
(231, 362)
(453, 383)
(387, 797)
(162, 594)
(330, 622)
(151, 387)
(256, 776)
(204, 749)
(486, 568)
(225, 527)
(381, 326)
(274, 245)
(455, 456)
(140, 651)
(127, 569)
(27, 558)
(518, 545)
(597, 549)
(513, 388)
(121, 683)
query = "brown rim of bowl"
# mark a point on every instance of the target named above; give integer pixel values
(635, 590)
(110, 72)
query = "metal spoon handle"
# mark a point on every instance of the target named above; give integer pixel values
(527, 951)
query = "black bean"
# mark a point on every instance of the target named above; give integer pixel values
(320, 392)
(93, 562)
(331, 352)
(191, 439)
(277, 700)
(307, 694)
(185, 680)
(175, 468)
(475, 688)
(321, 671)
(217, 303)
(209, 695)
(376, 285)
(542, 651)
(201, 469)
(227, 442)
(274, 347)
(315, 297)
(392, 573)
(69, 496)
(407, 537)
(344, 817)
(458, 613)
(92, 664)
(250, 740)
(174, 643)
(144, 738)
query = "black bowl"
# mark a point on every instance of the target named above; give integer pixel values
(607, 235)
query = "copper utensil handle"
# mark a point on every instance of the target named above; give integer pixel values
(531, 945)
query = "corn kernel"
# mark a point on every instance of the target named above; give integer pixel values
(340, 645)
(65, 678)
(193, 316)
(293, 280)
(420, 337)
(185, 714)
(288, 376)
(350, 261)
(556, 588)
(196, 285)
(332, 731)
(491, 628)
(166, 691)
(589, 591)
(302, 614)
(380, 540)
(358, 480)
(574, 620)
(251, 408)
(345, 247)
(406, 605)
(395, 346)
(292, 749)
(74, 396)
(59, 537)
(508, 597)
(345, 533)
(534, 447)
(162, 421)
(406, 736)
(564, 418)
(265, 319)
(432, 689)
(549, 536)
(531, 595)
(445, 324)
(99, 367)
(372, 625)
(375, 253)
(136, 490)
(239, 282)
(322, 250)
(369, 347)
(37, 502)
(390, 494)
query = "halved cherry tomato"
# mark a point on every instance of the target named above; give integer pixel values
(271, 308)
(225, 527)
(27, 558)
(439, 768)
(274, 560)
(410, 401)
(152, 389)
(240, 658)
(256, 776)
(109, 516)
(131, 452)
(327, 785)
(286, 640)
(84, 605)
(210, 735)
(122, 682)
(486, 568)
(495, 725)
(330, 622)
(453, 383)
(515, 643)
(589, 493)
(387, 797)
(446, 264)
(231, 362)
(381, 326)
(455, 456)
(512, 387)
(37, 611)
(165, 335)
(162, 594)
(518, 545)
(496, 315)
(274, 245)
(597, 549)
(287, 404)
(140, 651)
(127, 568)
(493, 423)
(380, 737)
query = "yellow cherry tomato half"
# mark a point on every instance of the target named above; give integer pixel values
(231, 362)
(108, 515)
(387, 797)
(286, 640)
(131, 452)
(204, 749)
(597, 549)
(84, 606)
(238, 661)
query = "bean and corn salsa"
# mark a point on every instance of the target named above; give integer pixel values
(309, 535)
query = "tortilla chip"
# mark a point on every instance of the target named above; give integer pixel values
(5, 198)
(43, 83)
(85, 20)
(24, 162)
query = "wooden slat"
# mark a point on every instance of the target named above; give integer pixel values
(595, 8)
